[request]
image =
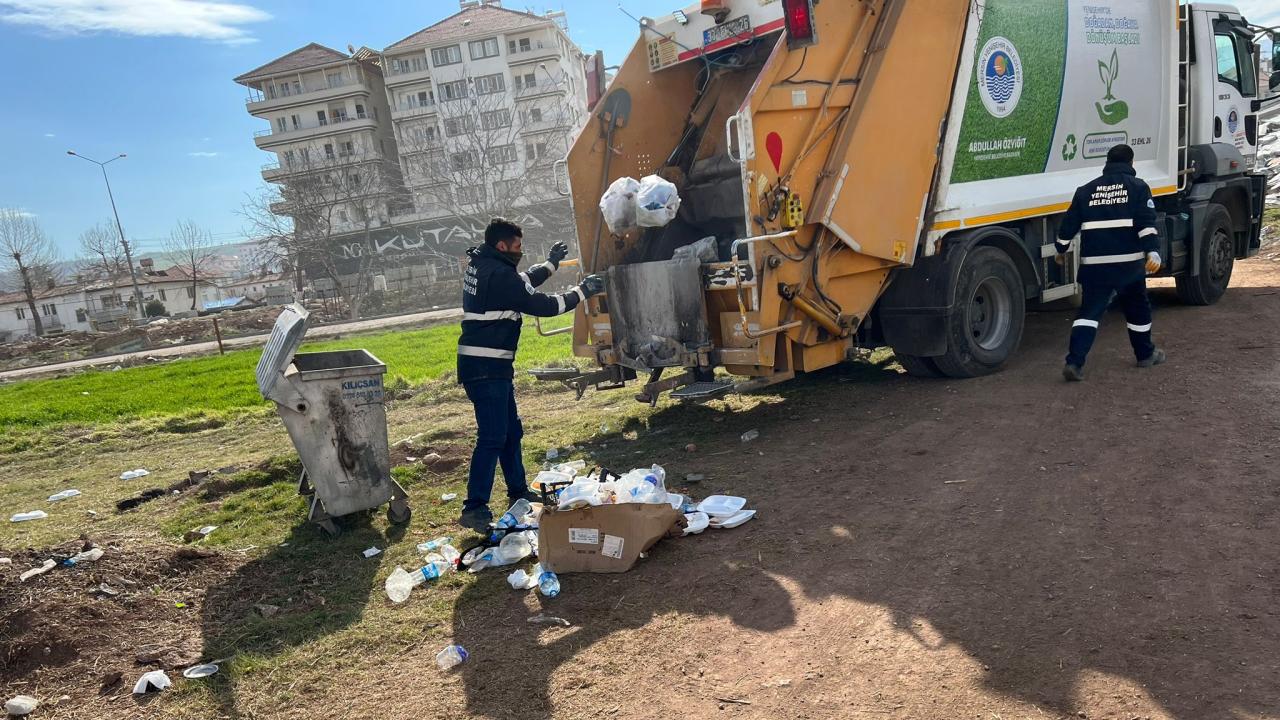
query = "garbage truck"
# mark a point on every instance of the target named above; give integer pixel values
(893, 173)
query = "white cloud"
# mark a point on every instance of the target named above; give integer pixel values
(18, 211)
(202, 154)
(203, 19)
(50, 135)
(1260, 12)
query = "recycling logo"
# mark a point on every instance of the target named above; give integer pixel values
(1069, 148)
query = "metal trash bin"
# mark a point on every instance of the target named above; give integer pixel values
(332, 405)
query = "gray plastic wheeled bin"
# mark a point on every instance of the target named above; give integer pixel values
(332, 405)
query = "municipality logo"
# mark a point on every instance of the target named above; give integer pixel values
(1000, 77)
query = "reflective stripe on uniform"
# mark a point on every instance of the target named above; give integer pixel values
(582, 297)
(492, 315)
(1104, 224)
(559, 304)
(1086, 323)
(1148, 231)
(1109, 259)
(1139, 328)
(474, 351)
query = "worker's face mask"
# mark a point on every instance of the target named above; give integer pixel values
(512, 250)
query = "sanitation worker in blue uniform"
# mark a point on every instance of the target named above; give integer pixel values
(495, 296)
(1116, 220)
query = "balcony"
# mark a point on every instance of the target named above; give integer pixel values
(400, 112)
(277, 171)
(524, 92)
(342, 123)
(546, 125)
(402, 75)
(258, 102)
(537, 53)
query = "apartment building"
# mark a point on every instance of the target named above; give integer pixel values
(329, 128)
(483, 103)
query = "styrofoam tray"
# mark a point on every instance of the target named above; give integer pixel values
(733, 521)
(722, 505)
(697, 522)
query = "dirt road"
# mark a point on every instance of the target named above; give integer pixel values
(1007, 547)
(206, 348)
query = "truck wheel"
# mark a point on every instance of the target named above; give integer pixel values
(1217, 248)
(918, 366)
(987, 326)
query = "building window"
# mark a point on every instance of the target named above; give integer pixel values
(281, 124)
(481, 49)
(342, 215)
(525, 81)
(506, 190)
(21, 313)
(191, 293)
(501, 155)
(463, 160)
(495, 119)
(49, 309)
(455, 90)
(489, 84)
(471, 194)
(328, 151)
(348, 148)
(533, 115)
(110, 301)
(324, 119)
(523, 45)
(454, 127)
(162, 295)
(296, 121)
(334, 79)
(451, 55)
(81, 315)
(535, 151)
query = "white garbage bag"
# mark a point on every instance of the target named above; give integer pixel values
(618, 205)
(656, 202)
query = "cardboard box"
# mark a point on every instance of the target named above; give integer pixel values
(602, 539)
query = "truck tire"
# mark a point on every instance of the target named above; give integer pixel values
(986, 327)
(918, 366)
(1217, 249)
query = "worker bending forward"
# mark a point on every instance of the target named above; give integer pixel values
(494, 298)
(1116, 220)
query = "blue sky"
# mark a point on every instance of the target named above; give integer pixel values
(104, 77)
(152, 78)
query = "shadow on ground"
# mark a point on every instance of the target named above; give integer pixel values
(1125, 526)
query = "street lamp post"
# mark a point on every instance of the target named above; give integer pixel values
(128, 257)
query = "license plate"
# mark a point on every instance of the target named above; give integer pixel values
(726, 30)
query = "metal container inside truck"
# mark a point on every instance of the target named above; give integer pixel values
(893, 172)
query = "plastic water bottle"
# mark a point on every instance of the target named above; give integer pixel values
(512, 516)
(450, 554)
(401, 583)
(548, 584)
(86, 556)
(434, 545)
(451, 657)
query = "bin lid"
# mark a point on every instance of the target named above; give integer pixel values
(286, 337)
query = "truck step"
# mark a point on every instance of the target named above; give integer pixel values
(553, 374)
(703, 390)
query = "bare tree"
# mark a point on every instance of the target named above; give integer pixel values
(27, 253)
(191, 248)
(321, 219)
(102, 254)
(488, 156)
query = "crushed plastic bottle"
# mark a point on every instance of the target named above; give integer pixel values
(515, 514)
(451, 657)
(434, 545)
(400, 583)
(513, 548)
(450, 555)
(750, 435)
(86, 556)
(548, 583)
(32, 515)
(33, 572)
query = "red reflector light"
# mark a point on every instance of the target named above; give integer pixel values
(799, 19)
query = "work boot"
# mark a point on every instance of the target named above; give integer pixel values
(477, 519)
(1072, 373)
(1156, 358)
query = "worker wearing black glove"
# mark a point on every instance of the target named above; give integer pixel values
(495, 297)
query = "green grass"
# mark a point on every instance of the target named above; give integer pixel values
(203, 388)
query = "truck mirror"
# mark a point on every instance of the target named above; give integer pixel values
(1274, 82)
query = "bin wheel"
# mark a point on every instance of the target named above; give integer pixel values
(399, 512)
(329, 526)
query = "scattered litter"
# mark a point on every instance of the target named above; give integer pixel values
(87, 556)
(734, 701)
(750, 435)
(410, 459)
(451, 657)
(722, 505)
(6, 561)
(91, 513)
(46, 567)
(65, 494)
(954, 482)
(107, 590)
(657, 202)
(694, 478)
(400, 583)
(21, 705)
(732, 521)
(548, 620)
(434, 545)
(154, 680)
(266, 610)
(521, 580)
(696, 522)
(553, 453)
(618, 205)
(691, 448)
(548, 584)
(448, 497)
(134, 474)
(31, 515)
(196, 672)
(199, 533)
(371, 552)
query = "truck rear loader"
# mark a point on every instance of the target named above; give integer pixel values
(894, 172)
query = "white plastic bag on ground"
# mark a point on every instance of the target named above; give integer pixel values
(656, 202)
(156, 679)
(618, 205)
